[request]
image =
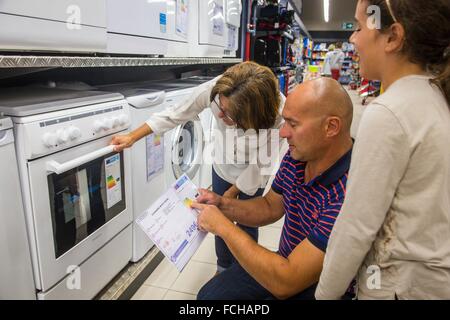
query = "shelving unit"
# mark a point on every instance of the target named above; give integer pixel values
(276, 41)
(348, 72)
(35, 61)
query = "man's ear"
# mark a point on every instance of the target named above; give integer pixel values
(395, 38)
(334, 125)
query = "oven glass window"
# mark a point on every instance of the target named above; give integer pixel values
(84, 199)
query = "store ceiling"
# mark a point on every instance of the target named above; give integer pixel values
(340, 11)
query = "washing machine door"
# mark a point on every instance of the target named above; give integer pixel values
(187, 147)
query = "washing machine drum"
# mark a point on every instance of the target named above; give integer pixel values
(187, 149)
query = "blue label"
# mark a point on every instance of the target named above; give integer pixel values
(162, 22)
(181, 181)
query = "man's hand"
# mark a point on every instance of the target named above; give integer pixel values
(232, 192)
(121, 142)
(211, 219)
(209, 197)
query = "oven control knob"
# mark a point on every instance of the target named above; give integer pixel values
(74, 133)
(116, 122)
(98, 126)
(49, 139)
(123, 119)
(108, 123)
(63, 136)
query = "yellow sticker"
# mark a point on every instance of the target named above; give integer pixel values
(188, 202)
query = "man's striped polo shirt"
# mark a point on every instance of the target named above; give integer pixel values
(310, 208)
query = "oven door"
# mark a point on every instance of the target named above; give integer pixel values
(81, 199)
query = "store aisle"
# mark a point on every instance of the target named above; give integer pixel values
(358, 110)
(166, 283)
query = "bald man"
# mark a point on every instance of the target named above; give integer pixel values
(308, 190)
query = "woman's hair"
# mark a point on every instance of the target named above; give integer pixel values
(427, 34)
(253, 94)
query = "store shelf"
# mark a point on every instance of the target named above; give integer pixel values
(22, 61)
(284, 68)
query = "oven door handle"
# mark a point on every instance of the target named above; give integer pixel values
(58, 168)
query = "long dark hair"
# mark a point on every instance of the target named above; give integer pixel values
(427, 32)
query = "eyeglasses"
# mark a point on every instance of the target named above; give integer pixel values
(224, 112)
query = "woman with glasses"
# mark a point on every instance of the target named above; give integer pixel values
(393, 231)
(246, 104)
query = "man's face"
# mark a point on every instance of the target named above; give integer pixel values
(303, 128)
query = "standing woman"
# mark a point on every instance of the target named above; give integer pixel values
(393, 232)
(244, 100)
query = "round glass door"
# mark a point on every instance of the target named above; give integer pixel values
(187, 149)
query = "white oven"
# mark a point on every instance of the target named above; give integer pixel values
(77, 192)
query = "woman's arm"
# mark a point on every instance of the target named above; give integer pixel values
(127, 140)
(232, 192)
(177, 114)
(169, 118)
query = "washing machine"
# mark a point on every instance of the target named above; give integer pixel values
(217, 22)
(183, 144)
(147, 158)
(137, 27)
(182, 89)
(207, 122)
(49, 25)
(178, 29)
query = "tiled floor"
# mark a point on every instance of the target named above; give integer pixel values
(166, 283)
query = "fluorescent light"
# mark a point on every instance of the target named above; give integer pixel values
(326, 10)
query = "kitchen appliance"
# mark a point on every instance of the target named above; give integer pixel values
(183, 144)
(137, 27)
(147, 158)
(16, 275)
(76, 189)
(49, 25)
(178, 29)
(217, 22)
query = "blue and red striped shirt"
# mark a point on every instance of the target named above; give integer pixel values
(310, 208)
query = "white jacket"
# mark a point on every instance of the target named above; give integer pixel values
(333, 60)
(248, 175)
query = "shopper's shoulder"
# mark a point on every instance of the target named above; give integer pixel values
(412, 89)
(408, 97)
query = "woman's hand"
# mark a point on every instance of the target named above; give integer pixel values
(127, 140)
(231, 193)
(121, 142)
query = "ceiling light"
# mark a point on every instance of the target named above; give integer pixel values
(326, 10)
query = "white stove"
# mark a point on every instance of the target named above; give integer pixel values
(76, 189)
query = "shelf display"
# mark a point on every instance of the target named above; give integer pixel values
(29, 61)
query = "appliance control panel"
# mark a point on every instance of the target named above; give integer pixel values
(55, 131)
